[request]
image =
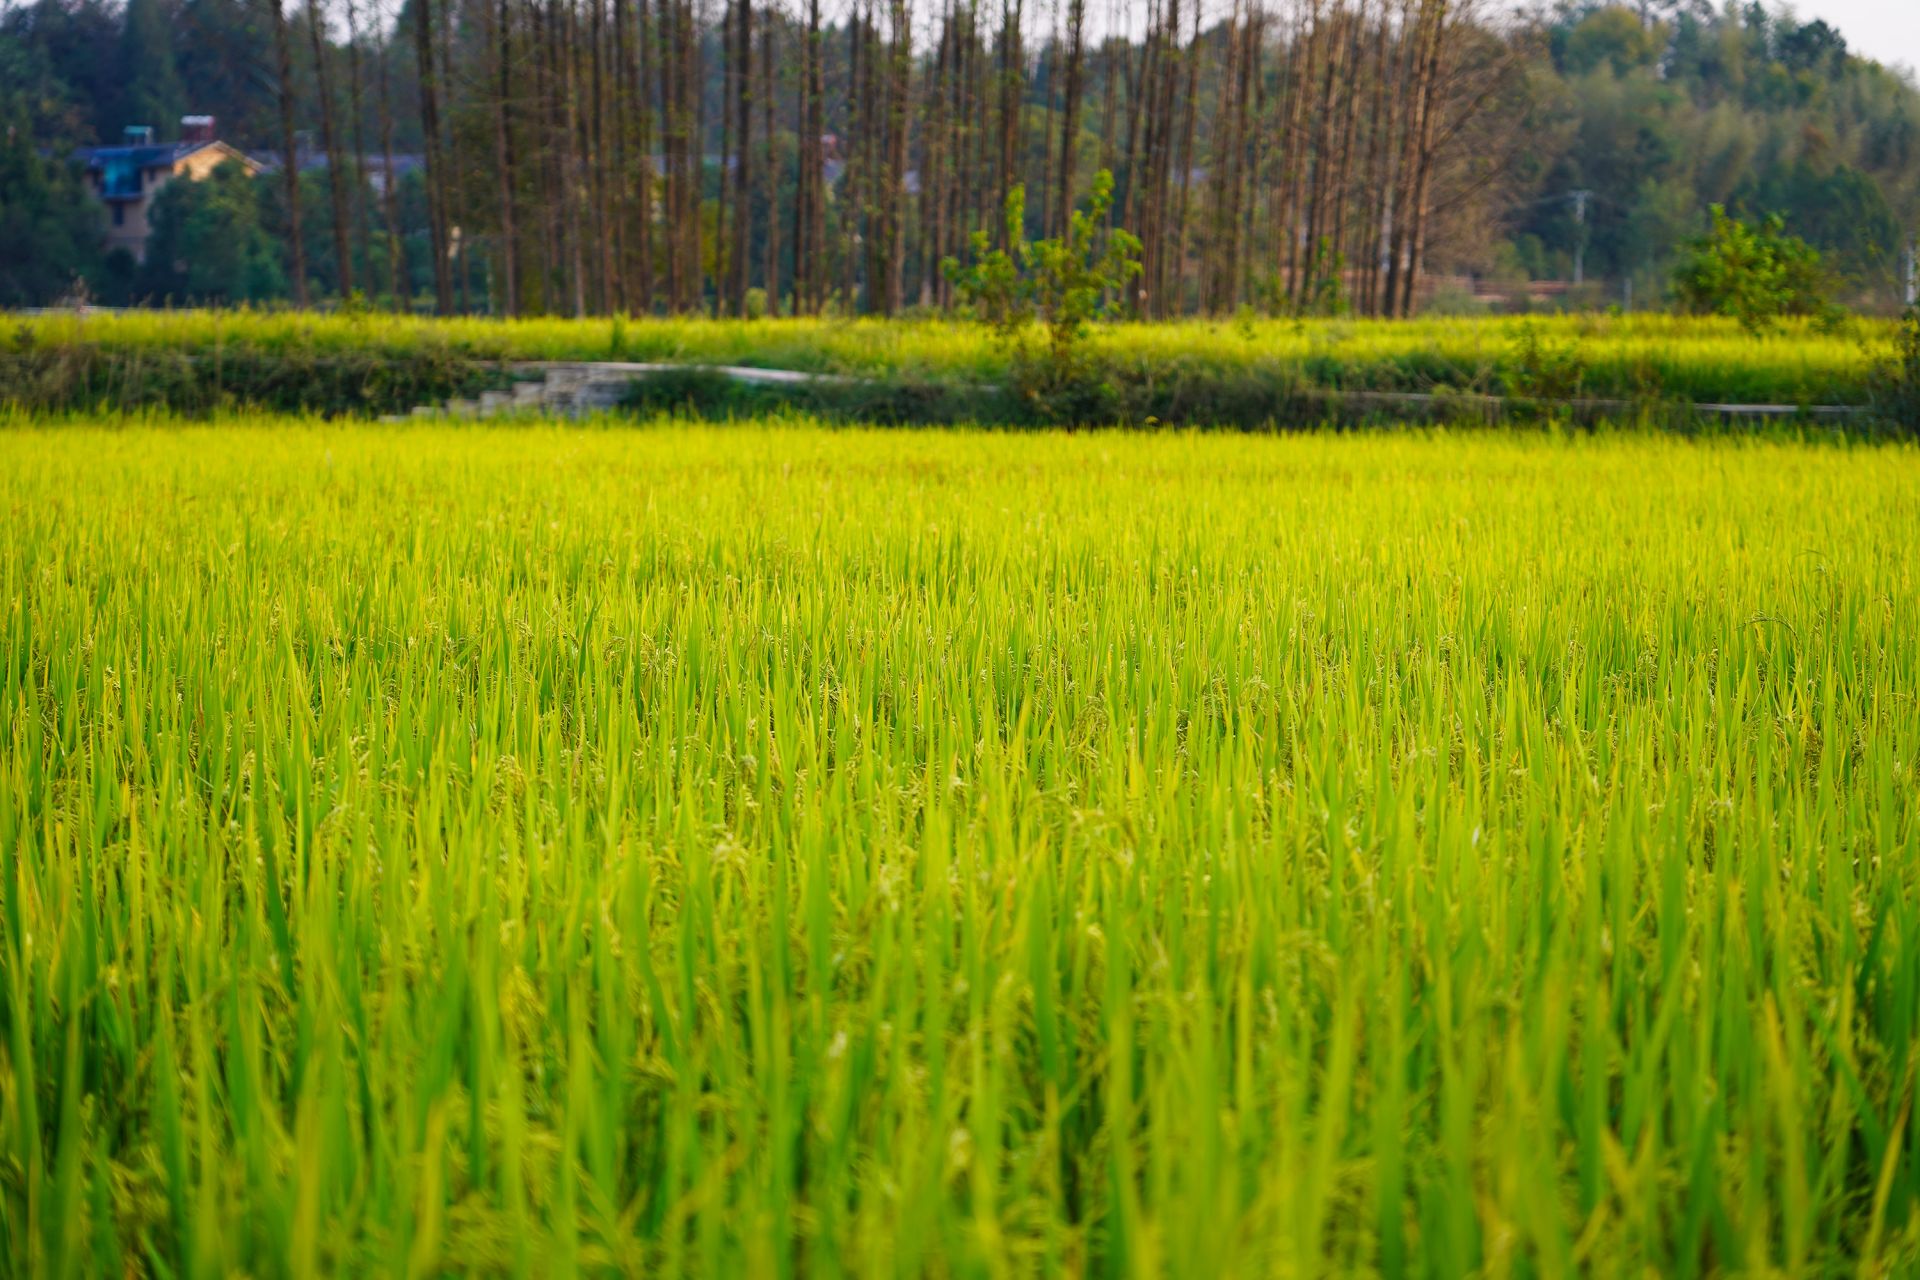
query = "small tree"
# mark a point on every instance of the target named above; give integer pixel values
(1062, 283)
(208, 245)
(1896, 384)
(49, 225)
(1754, 274)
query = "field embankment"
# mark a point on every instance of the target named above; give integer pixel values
(1235, 374)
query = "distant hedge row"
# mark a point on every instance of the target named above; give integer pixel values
(63, 378)
(1250, 374)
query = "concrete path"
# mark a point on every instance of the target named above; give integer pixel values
(575, 388)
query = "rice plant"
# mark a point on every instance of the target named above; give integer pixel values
(790, 852)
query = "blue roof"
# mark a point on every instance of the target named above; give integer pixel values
(120, 168)
(146, 157)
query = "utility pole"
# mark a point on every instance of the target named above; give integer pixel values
(1580, 199)
(1913, 273)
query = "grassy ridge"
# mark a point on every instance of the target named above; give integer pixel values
(776, 852)
(1639, 357)
(55, 379)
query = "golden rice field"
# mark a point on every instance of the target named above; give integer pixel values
(781, 851)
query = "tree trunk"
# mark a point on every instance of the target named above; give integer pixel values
(1130, 203)
(770, 272)
(899, 86)
(397, 275)
(1300, 78)
(816, 205)
(854, 183)
(336, 180)
(436, 163)
(644, 145)
(693, 170)
(1404, 269)
(1172, 305)
(1377, 177)
(932, 179)
(1319, 206)
(806, 170)
(1417, 208)
(503, 159)
(1012, 76)
(600, 148)
(620, 114)
(1040, 193)
(545, 169)
(743, 153)
(722, 227)
(1343, 164)
(449, 185)
(361, 223)
(671, 144)
(568, 132)
(1143, 93)
(1163, 161)
(1070, 115)
(289, 155)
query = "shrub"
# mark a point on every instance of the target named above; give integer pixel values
(1896, 384)
(1755, 275)
(209, 243)
(1543, 369)
(1062, 284)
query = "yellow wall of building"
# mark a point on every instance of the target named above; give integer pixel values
(134, 228)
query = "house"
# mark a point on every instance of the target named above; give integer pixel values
(126, 178)
(373, 166)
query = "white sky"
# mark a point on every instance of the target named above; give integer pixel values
(1885, 30)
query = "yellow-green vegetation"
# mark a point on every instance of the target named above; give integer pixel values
(1639, 356)
(778, 851)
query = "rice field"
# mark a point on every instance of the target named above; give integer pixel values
(792, 852)
(1637, 356)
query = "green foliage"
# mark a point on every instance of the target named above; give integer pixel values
(1709, 102)
(208, 244)
(49, 225)
(1896, 385)
(1071, 279)
(1326, 293)
(43, 377)
(778, 852)
(1197, 372)
(1061, 283)
(1611, 36)
(1545, 368)
(150, 79)
(1837, 209)
(993, 284)
(1753, 274)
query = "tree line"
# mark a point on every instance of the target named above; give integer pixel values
(1295, 156)
(598, 156)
